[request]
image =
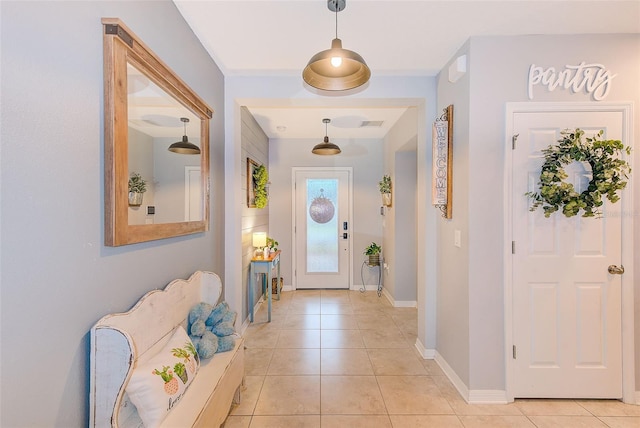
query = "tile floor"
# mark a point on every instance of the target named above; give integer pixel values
(337, 358)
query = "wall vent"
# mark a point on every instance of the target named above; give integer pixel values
(371, 123)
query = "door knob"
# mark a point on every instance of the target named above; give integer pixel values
(616, 270)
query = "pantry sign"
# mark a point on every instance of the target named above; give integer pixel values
(593, 79)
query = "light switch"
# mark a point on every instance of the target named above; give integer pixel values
(457, 238)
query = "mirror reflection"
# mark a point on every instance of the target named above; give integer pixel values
(171, 183)
(156, 143)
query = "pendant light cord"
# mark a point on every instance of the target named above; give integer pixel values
(336, 3)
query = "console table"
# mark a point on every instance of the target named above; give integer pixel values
(264, 266)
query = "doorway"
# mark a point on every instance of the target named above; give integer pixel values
(322, 228)
(564, 312)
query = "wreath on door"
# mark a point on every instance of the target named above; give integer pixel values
(608, 174)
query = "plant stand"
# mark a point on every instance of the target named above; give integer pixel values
(365, 263)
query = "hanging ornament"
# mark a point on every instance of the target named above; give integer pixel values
(321, 209)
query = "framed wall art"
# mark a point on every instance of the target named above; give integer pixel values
(442, 179)
(251, 187)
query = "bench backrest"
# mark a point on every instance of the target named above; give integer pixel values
(119, 341)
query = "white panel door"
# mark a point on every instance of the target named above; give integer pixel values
(566, 306)
(322, 228)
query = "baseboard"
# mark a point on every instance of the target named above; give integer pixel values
(427, 354)
(246, 322)
(473, 396)
(488, 396)
(638, 398)
(399, 303)
(371, 287)
(453, 377)
(244, 326)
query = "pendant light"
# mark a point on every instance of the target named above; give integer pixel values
(326, 148)
(184, 147)
(336, 69)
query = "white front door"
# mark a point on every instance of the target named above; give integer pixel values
(566, 307)
(322, 232)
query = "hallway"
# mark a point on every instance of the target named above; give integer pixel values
(337, 358)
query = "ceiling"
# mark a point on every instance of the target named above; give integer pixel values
(395, 37)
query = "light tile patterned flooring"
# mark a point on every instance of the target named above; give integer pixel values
(337, 358)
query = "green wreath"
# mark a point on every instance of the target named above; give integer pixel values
(608, 175)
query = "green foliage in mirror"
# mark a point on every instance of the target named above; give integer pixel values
(137, 184)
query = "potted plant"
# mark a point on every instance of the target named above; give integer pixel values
(385, 190)
(137, 187)
(272, 244)
(373, 251)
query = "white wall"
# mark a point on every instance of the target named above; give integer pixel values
(497, 74)
(57, 277)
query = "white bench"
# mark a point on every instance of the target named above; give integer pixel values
(119, 341)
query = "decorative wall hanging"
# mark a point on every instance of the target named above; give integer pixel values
(607, 169)
(257, 181)
(594, 79)
(385, 190)
(137, 187)
(442, 175)
(127, 61)
(321, 209)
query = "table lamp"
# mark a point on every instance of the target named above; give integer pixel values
(260, 241)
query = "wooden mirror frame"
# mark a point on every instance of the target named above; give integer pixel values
(122, 47)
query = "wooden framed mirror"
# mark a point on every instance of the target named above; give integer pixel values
(149, 111)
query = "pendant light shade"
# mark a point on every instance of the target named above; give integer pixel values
(326, 148)
(336, 69)
(184, 147)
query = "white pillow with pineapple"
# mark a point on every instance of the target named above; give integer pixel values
(158, 384)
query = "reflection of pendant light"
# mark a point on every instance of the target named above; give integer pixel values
(184, 147)
(321, 209)
(326, 148)
(336, 69)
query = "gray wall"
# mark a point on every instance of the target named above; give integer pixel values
(255, 145)
(57, 277)
(453, 263)
(400, 242)
(470, 293)
(405, 226)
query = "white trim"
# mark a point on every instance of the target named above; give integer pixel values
(453, 377)
(473, 396)
(295, 169)
(399, 303)
(629, 395)
(368, 287)
(427, 354)
(487, 396)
